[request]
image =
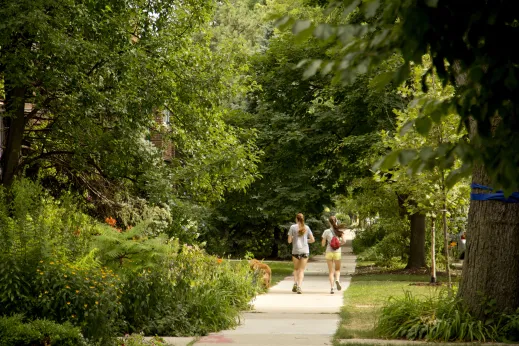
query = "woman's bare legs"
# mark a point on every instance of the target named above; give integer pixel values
(330, 272)
(338, 273)
(296, 269)
(302, 267)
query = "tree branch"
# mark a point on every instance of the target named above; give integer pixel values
(47, 154)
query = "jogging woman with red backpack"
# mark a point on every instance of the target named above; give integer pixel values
(334, 237)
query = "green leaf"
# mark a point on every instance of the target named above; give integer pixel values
(300, 26)
(324, 31)
(387, 161)
(328, 67)
(311, 70)
(284, 22)
(403, 73)
(381, 80)
(350, 6)
(371, 7)
(423, 125)
(431, 3)
(405, 156)
(426, 153)
(407, 126)
(456, 175)
(302, 63)
(304, 35)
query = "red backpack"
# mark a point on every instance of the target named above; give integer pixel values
(335, 242)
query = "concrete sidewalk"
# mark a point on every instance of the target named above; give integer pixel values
(281, 317)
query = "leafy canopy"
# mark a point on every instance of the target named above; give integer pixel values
(465, 44)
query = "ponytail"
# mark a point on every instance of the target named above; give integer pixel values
(335, 227)
(301, 223)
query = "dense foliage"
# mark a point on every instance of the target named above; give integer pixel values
(464, 52)
(61, 265)
(315, 136)
(140, 137)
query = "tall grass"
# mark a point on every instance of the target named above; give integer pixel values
(439, 318)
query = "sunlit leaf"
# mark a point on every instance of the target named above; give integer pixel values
(328, 67)
(302, 63)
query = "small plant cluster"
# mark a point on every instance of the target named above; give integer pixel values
(14, 331)
(443, 318)
(139, 340)
(116, 281)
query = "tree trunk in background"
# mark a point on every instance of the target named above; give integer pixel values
(417, 245)
(491, 268)
(433, 250)
(278, 235)
(14, 123)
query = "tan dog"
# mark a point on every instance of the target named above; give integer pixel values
(258, 266)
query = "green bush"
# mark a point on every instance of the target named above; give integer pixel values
(45, 243)
(61, 291)
(86, 297)
(35, 225)
(196, 295)
(383, 242)
(63, 266)
(443, 318)
(13, 332)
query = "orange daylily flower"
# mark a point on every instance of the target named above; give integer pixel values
(111, 221)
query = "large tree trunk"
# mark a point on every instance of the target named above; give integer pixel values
(491, 268)
(417, 245)
(14, 122)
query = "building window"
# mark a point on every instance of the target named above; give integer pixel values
(166, 115)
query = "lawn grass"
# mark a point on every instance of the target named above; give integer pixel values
(367, 294)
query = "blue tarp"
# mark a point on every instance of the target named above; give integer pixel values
(496, 196)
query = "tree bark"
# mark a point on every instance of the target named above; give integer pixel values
(433, 250)
(417, 245)
(417, 241)
(491, 268)
(14, 122)
(278, 237)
